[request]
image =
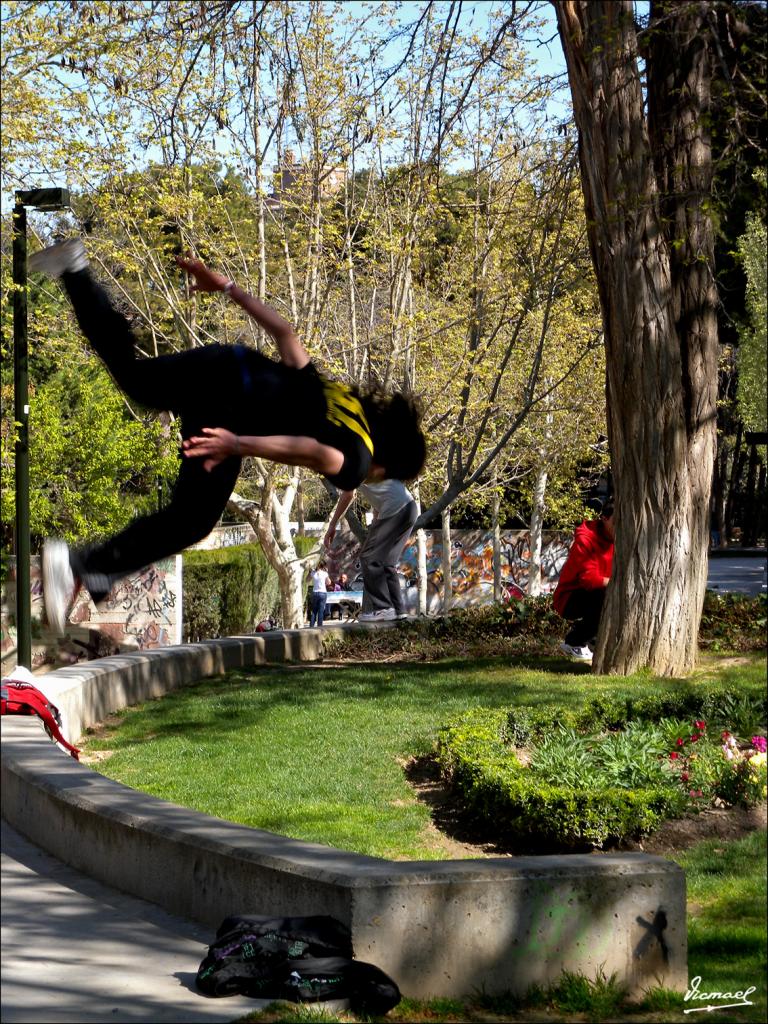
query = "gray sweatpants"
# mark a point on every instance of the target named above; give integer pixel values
(379, 556)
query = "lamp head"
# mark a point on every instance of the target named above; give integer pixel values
(44, 198)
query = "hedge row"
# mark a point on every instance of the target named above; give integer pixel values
(499, 793)
(230, 590)
(477, 756)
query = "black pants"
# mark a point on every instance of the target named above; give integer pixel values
(583, 611)
(204, 387)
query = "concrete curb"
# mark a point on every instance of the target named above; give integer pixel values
(439, 928)
(738, 552)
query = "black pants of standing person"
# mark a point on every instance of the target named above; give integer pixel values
(204, 387)
(583, 610)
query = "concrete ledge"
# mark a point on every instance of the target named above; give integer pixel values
(439, 928)
(734, 552)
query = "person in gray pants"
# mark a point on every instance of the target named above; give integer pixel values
(395, 512)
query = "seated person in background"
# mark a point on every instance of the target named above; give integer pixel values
(345, 608)
(343, 582)
(580, 591)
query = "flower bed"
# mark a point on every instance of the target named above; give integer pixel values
(611, 771)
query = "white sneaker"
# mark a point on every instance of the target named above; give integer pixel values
(577, 653)
(59, 586)
(382, 615)
(60, 258)
(402, 615)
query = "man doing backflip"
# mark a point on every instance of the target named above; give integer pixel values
(231, 402)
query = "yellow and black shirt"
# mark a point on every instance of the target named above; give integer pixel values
(282, 400)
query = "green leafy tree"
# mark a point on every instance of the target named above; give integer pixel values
(96, 466)
(753, 338)
(94, 461)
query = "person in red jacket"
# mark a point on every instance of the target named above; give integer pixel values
(580, 591)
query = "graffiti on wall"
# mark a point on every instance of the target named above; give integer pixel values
(471, 562)
(142, 612)
(227, 537)
(471, 559)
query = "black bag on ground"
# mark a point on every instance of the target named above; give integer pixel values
(299, 959)
(250, 949)
(368, 989)
(324, 934)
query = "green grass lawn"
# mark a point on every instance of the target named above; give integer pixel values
(317, 753)
(727, 920)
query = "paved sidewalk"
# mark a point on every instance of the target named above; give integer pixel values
(738, 572)
(75, 951)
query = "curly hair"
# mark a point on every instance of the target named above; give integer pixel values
(399, 444)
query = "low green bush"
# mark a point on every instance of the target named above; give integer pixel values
(610, 771)
(531, 626)
(733, 622)
(501, 793)
(230, 590)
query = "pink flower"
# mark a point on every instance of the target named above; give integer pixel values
(680, 741)
(700, 725)
(728, 752)
(685, 776)
(674, 755)
(695, 737)
(760, 744)
(695, 792)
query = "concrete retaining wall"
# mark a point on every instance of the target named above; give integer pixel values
(439, 928)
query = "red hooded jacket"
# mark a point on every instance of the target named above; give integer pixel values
(589, 562)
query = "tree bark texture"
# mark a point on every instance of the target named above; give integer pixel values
(535, 527)
(496, 528)
(646, 183)
(270, 521)
(445, 522)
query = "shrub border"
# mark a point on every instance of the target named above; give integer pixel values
(474, 756)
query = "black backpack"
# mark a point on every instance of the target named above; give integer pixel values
(298, 959)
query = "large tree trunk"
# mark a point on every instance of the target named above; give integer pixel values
(646, 186)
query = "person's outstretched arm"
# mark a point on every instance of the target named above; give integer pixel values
(291, 350)
(214, 444)
(345, 500)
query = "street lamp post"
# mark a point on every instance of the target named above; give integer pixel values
(41, 199)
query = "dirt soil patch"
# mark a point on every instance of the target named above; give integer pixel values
(458, 837)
